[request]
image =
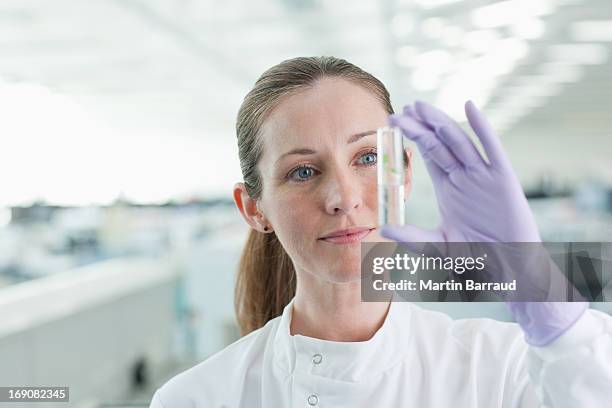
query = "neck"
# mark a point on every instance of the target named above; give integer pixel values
(334, 311)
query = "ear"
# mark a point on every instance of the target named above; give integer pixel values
(408, 182)
(249, 209)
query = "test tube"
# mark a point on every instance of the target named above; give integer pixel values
(391, 176)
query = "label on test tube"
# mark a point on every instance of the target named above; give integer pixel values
(391, 176)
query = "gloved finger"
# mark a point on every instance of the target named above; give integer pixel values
(461, 146)
(455, 138)
(435, 171)
(429, 145)
(414, 238)
(409, 111)
(491, 143)
(434, 116)
(408, 233)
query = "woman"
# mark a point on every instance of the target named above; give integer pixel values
(307, 144)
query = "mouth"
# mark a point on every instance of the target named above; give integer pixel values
(347, 236)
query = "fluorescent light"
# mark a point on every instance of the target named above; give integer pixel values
(435, 60)
(406, 55)
(452, 36)
(600, 30)
(590, 54)
(480, 41)
(488, 65)
(432, 4)
(430, 66)
(502, 114)
(424, 80)
(432, 27)
(530, 88)
(559, 72)
(508, 12)
(402, 25)
(500, 60)
(528, 29)
(461, 87)
(527, 93)
(512, 48)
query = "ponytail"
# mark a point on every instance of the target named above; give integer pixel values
(266, 281)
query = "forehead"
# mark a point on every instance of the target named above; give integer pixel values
(332, 110)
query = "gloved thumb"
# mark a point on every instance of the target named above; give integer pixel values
(410, 233)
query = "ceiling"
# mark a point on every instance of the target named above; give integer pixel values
(173, 73)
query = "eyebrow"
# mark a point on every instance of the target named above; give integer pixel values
(306, 151)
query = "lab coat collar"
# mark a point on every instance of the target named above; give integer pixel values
(345, 361)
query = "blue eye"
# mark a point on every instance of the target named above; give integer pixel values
(302, 173)
(369, 158)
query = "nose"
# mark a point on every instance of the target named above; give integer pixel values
(343, 195)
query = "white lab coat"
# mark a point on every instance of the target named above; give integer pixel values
(418, 358)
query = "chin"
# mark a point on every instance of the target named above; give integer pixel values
(343, 272)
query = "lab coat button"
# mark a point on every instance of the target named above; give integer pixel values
(313, 400)
(317, 358)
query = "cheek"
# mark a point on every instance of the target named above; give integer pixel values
(295, 222)
(289, 215)
(371, 191)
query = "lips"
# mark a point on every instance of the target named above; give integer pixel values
(347, 236)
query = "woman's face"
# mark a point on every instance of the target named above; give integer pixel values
(318, 170)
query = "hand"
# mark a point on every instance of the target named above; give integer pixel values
(479, 201)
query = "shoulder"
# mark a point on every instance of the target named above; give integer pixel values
(211, 382)
(469, 335)
(485, 350)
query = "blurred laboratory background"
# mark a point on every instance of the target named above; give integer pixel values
(118, 237)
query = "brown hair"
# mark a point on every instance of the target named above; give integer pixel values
(266, 278)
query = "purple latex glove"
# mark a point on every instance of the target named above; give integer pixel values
(479, 201)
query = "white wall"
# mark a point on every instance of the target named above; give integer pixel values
(86, 328)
